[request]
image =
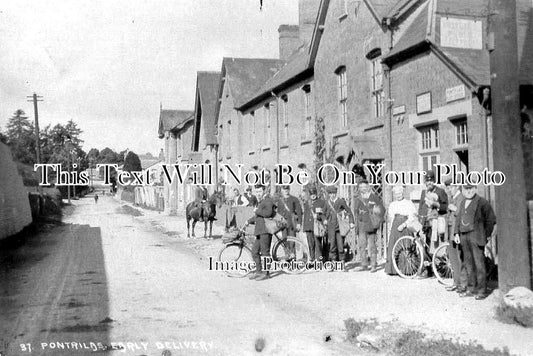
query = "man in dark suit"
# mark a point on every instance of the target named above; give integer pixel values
(473, 226)
(367, 203)
(261, 246)
(290, 208)
(336, 206)
(315, 210)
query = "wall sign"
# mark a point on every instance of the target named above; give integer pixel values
(461, 33)
(455, 93)
(398, 110)
(423, 103)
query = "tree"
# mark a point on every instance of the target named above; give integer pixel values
(21, 138)
(3, 138)
(132, 162)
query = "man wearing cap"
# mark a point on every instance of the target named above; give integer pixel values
(314, 213)
(367, 204)
(261, 246)
(289, 207)
(432, 210)
(335, 240)
(455, 197)
(252, 200)
(473, 227)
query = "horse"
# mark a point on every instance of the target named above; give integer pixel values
(204, 211)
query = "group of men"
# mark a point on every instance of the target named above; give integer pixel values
(325, 222)
(468, 221)
(246, 199)
(458, 215)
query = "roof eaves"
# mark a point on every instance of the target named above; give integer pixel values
(406, 53)
(304, 74)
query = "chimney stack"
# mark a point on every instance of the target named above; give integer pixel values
(289, 40)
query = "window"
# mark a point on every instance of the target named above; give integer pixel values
(461, 132)
(429, 137)
(377, 85)
(429, 161)
(343, 96)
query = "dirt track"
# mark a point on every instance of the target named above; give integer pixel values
(115, 279)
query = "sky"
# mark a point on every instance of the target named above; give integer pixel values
(108, 64)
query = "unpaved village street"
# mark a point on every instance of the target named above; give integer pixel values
(107, 278)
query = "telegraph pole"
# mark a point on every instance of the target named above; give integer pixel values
(35, 98)
(514, 264)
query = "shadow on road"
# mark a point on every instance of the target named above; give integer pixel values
(54, 292)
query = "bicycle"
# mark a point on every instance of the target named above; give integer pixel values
(237, 253)
(411, 254)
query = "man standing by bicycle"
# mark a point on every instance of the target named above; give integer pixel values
(432, 211)
(261, 246)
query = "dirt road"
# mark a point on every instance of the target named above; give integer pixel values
(114, 281)
(105, 279)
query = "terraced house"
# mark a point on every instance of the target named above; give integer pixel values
(175, 127)
(204, 142)
(439, 70)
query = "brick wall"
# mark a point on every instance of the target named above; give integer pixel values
(15, 212)
(426, 73)
(348, 36)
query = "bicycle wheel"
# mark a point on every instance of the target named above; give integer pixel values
(442, 266)
(407, 257)
(235, 260)
(291, 254)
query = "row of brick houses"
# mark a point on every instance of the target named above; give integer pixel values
(398, 82)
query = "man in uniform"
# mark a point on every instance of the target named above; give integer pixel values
(261, 246)
(290, 208)
(336, 206)
(473, 227)
(315, 210)
(366, 204)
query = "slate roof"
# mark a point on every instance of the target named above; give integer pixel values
(147, 163)
(207, 86)
(296, 65)
(415, 35)
(246, 75)
(474, 64)
(172, 119)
